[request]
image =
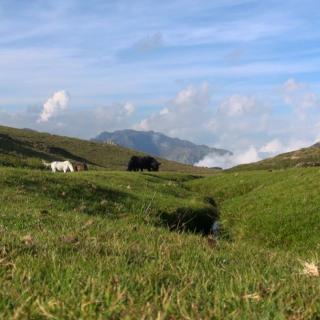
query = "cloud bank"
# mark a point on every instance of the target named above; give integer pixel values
(228, 161)
(252, 127)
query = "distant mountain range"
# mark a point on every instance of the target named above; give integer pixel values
(158, 144)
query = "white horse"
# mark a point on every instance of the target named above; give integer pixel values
(59, 166)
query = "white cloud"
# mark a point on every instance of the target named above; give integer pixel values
(237, 122)
(272, 147)
(193, 96)
(83, 123)
(232, 122)
(129, 108)
(237, 105)
(59, 101)
(89, 122)
(299, 96)
(250, 155)
(164, 111)
(295, 144)
(184, 115)
(113, 114)
(227, 161)
(275, 146)
(309, 100)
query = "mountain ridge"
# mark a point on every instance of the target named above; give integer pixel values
(160, 145)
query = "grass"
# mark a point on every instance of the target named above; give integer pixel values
(279, 209)
(26, 148)
(111, 245)
(306, 157)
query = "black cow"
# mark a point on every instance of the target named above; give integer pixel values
(139, 163)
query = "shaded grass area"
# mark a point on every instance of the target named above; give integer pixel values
(63, 258)
(161, 196)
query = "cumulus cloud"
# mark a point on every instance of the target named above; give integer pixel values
(241, 121)
(237, 105)
(272, 147)
(184, 115)
(164, 111)
(129, 108)
(112, 115)
(83, 123)
(233, 122)
(193, 96)
(59, 101)
(299, 96)
(252, 154)
(238, 122)
(191, 114)
(227, 161)
(252, 128)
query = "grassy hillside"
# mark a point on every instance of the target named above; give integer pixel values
(26, 148)
(306, 157)
(110, 245)
(278, 209)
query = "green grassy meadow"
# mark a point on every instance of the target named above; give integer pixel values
(120, 245)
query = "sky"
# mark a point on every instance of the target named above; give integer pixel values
(236, 74)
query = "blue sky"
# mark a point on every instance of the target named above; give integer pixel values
(238, 74)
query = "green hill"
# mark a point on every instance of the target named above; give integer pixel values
(306, 157)
(26, 148)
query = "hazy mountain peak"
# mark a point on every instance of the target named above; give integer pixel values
(158, 144)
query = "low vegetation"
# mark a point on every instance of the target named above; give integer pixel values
(122, 245)
(126, 245)
(306, 157)
(25, 148)
(278, 209)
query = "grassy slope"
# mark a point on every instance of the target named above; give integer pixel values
(278, 209)
(99, 247)
(305, 156)
(26, 148)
